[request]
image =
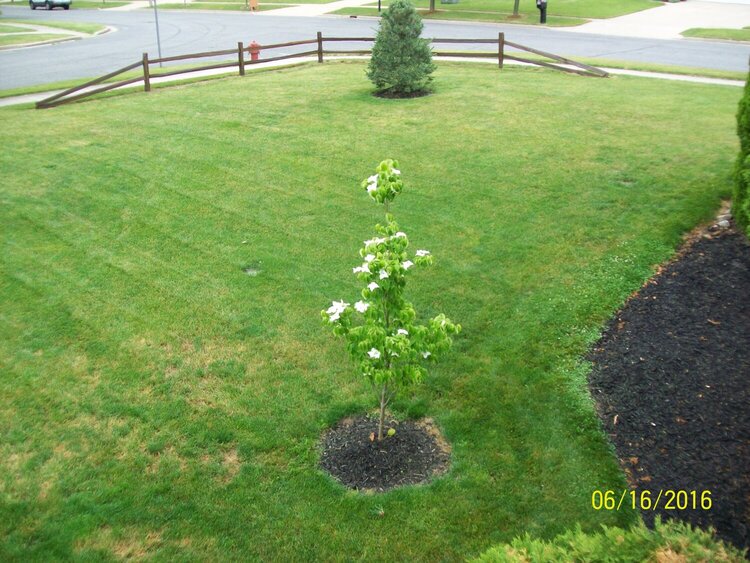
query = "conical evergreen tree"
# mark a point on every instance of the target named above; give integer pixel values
(401, 62)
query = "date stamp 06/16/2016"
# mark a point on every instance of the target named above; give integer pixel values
(666, 499)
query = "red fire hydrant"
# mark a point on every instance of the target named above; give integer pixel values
(254, 48)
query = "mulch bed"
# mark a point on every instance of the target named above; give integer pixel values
(415, 454)
(388, 94)
(671, 380)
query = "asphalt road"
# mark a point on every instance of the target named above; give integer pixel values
(188, 32)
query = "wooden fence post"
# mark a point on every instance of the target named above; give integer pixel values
(500, 49)
(146, 75)
(320, 47)
(241, 55)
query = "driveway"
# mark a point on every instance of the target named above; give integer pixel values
(669, 20)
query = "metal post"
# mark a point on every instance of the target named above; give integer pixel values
(158, 39)
(320, 47)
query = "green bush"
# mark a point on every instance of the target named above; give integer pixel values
(741, 204)
(401, 62)
(670, 541)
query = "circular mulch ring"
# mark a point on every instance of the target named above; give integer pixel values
(671, 383)
(415, 454)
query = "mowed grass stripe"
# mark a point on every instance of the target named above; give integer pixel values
(186, 398)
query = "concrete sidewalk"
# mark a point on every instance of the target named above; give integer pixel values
(670, 20)
(312, 10)
(33, 98)
(137, 5)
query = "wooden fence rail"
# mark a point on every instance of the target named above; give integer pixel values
(241, 61)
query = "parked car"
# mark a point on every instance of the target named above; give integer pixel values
(49, 4)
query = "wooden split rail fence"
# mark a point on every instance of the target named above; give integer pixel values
(240, 60)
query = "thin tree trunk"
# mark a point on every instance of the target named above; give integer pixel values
(515, 7)
(384, 390)
(383, 402)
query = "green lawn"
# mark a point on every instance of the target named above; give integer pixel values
(280, 4)
(12, 29)
(728, 34)
(236, 6)
(159, 402)
(440, 14)
(559, 13)
(19, 39)
(71, 26)
(93, 4)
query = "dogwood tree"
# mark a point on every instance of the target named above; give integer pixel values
(381, 328)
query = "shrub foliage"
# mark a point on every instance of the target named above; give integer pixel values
(670, 541)
(741, 203)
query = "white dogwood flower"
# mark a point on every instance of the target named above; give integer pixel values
(377, 240)
(374, 353)
(369, 258)
(373, 286)
(408, 264)
(426, 355)
(383, 274)
(335, 310)
(402, 331)
(399, 234)
(422, 252)
(337, 306)
(361, 306)
(364, 268)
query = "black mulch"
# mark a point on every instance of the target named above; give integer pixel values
(401, 96)
(671, 380)
(413, 455)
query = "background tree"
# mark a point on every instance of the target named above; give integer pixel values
(384, 337)
(401, 63)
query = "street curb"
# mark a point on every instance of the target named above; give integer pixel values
(707, 40)
(107, 29)
(39, 43)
